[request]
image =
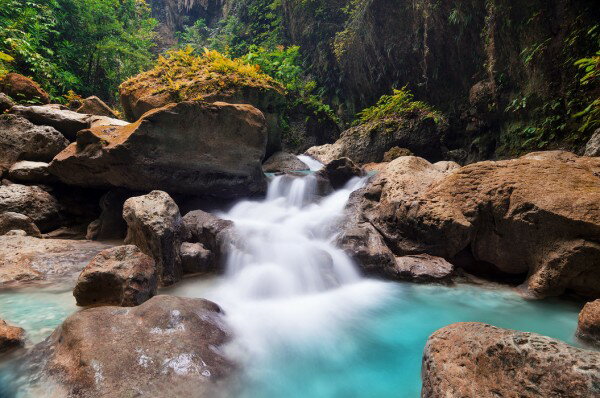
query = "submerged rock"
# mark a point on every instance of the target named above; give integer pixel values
(28, 259)
(155, 226)
(281, 162)
(479, 360)
(30, 172)
(168, 346)
(22, 140)
(423, 268)
(11, 337)
(121, 275)
(22, 88)
(32, 201)
(10, 221)
(588, 326)
(191, 147)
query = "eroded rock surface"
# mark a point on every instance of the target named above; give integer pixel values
(478, 360)
(168, 346)
(588, 326)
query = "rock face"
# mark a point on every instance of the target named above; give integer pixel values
(340, 171)
(191, 147)
(168, 346)
(121, 275)
(30, 172)
(20, 88)
(95, 106)
(29, 259)
(479, 360)
(22, 140)
(155, 226)
(33, 202)
(11, 337)
(110, 224)
(588, 326)
(537, 215)
(10, 221)
(423, 268)
(281, 162)
(592, 148)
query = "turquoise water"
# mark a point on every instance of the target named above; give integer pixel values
(374, 351)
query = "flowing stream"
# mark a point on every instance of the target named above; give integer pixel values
(306, 324)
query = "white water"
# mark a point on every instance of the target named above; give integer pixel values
(313, 164)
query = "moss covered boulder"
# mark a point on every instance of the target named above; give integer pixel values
(22, 88)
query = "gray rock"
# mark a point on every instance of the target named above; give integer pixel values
(592, 147)
(10, 221)
(283, 162)
(5, 102)
(30, 172)
(424, 268)
(63, 120)
(32, 201)
(195, 258)
(340, 171)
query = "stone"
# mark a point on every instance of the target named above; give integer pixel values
(190, 147)
(195, 258)
(22, 88)
(63, 120)
(423, 268)
(121, 275)
(22, 140)
(29, 260)
(155, 226)
(99, 121)
(588, 326)
(11, 337)
(166, 347)
(395, 153)
(281, 162)
(479, 360)
(10, 221)
(30, 172)
(111, 224)
(340, 171)
(592, 148)
(5, 103)
(95, 106)
(32, 201)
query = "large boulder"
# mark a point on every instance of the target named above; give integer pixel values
(30, 172)
(191, 147)
(588, 325)
(25, 259)
(121, 275)
(62, 119)
(166, 347)
(478, 360)
(281, 162)
(155, 226)
(95, 106)
(535, 216)
(22, 88)
(32, 201)
(10, 221)
(22, 140)
(11, 337)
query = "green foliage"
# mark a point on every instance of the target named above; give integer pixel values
(89, 46)
(590, 116)
(400, 103)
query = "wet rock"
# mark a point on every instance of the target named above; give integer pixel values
(168, 346)
(95, 106)
(588, 326)
(32, 201)
(191, 147)
(592, 147)
(22, 88)
(340, 171)
(10, 221)
(11, 337)
(283, 162)
(22, 140)
(479, 360)
(30, 172)
(212, 232)
(423, 268)
(28, 259)
(121, 275)
(63, 120)
(155, 226)
(195, 258)
(5, 103)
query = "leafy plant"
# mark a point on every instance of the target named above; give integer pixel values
(590, 116)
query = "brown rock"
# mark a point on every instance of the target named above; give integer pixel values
(283, 162)
(121, 275)
(423, 268)
(28, 259)
(475, 360)
(32, 201)
(11, 337)
(588, 326)
(190, 147)
(166, 347)
(111, 224)
(155, 226)
(22, 88)
(30, 172)
(95, 106)
(195, 258)
(340, 171)
(10, 221)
